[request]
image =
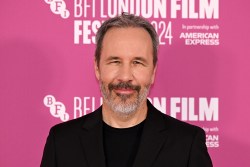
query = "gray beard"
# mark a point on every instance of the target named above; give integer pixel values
(124, 106)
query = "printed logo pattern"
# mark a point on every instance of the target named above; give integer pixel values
(57, 109)
(58, 7)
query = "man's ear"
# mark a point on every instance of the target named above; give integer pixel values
(153, 75)
(97, 71)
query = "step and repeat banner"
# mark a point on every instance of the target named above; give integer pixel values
(47, 73)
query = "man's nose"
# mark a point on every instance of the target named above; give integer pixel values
(125, 73)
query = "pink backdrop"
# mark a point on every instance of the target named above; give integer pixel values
(40, 55)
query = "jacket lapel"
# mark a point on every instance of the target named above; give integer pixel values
(92, 140)
(152, 139)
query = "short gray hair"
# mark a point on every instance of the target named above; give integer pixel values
(122, 21)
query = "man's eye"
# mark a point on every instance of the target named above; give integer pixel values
(115, 62)
(137, 62)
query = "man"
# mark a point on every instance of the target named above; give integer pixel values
(126, 131)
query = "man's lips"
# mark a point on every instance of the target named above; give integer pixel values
(124, 88)
(124, 91)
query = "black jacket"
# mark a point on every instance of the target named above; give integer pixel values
(165, 142)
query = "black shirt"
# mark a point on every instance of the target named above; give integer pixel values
(121, 145)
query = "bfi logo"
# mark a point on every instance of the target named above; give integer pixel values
(58, 7)
(57, 109)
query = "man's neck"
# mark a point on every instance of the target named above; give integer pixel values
(119, 120)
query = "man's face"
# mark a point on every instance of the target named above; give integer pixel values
(126, 68)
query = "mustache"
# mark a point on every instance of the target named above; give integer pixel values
(124, 85)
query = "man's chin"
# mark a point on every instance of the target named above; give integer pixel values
(124, 108)
(124, 104)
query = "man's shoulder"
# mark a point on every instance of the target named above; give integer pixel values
(77, 124)
(180, 126)
(175, 126)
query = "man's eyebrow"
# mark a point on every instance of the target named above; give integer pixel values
(118, 58)
(112, 58)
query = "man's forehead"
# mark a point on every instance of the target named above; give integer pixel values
(133, 43)
(132, 35)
